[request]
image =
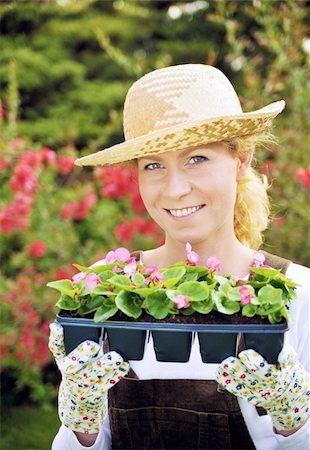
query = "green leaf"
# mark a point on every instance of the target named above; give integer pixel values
(265, 272)
(83, 310)
(249, 310)
(158, 304)
(104, 276)
(122, 282)
(189, 276)
(278, 316)
(138, 279)
(129, 303)
(194, 290)
(68, 303)
(221, 280)
(188, 311)
(107, 310)
(95, 302)
(103, 268)
(63, 286)
(230, 293)
(144, 292)
(203, 307)
(270, 295)
(200, 271)
(173, 272)
(82, 268)
(102, 290)
(171, 282)
(265, 310)
(225, 306)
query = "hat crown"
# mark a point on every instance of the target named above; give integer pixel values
(176, 95)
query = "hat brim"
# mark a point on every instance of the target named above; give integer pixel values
(185, 135)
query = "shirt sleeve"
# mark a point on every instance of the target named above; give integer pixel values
(299, 440)
(298, 337)
(299, 310)
(67, 440)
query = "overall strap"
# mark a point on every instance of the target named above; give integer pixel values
(276, 262)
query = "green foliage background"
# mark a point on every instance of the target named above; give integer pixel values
(65, 68)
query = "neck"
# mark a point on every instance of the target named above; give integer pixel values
(235, 258)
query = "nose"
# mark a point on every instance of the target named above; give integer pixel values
(176, 184)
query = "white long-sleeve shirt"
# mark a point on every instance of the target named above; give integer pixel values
(259, 427)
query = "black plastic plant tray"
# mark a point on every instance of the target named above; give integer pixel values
(217, 341)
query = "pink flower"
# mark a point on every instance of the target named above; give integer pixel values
(192, 258)
(120, 254)
(37, 249)
(131, 268)
(4, 163)
(303, 177)
(79, 210)
(213, 264)
(14, 216)
(258, 259)
(69, 210)
(32, 158)
(154, 273)
(91, 281)
(245, 294)
(78, 277)
(62, 273)
(24, 178)
(181, 301)
(85, 205)
(23, 203)
(49, 156)
(116, 181)
(16, 143)
(65, 164)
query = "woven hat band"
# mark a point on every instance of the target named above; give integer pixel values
(178, 94)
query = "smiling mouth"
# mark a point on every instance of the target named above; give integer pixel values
(184, 212)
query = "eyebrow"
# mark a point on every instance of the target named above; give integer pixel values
(181, 153)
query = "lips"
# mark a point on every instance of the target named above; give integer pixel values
(184, 212)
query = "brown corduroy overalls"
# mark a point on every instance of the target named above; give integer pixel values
(178, 414)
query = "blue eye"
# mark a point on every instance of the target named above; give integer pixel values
(152, 166)
(197, 159)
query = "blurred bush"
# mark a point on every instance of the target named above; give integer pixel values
(65, 70)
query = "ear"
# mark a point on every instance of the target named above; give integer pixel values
(244, 162)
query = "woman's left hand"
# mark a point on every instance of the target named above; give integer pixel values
(283, 390)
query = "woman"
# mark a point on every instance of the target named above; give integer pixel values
(193, 146)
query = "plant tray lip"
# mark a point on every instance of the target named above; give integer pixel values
(170, 326)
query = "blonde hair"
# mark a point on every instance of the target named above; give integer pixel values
(252, 207)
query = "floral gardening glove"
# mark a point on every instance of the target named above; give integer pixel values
(283, 390)
(86, 378)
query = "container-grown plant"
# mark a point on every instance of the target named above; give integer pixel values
(124, 299)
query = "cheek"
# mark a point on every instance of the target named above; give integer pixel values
(223, 185)
(148, 194)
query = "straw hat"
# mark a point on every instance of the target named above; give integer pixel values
(178, 107)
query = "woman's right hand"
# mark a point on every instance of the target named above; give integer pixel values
(86, 378)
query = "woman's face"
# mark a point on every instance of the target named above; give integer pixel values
(191, 193)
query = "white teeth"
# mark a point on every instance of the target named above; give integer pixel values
(184, 212)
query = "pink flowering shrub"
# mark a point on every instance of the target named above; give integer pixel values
(52, 213)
